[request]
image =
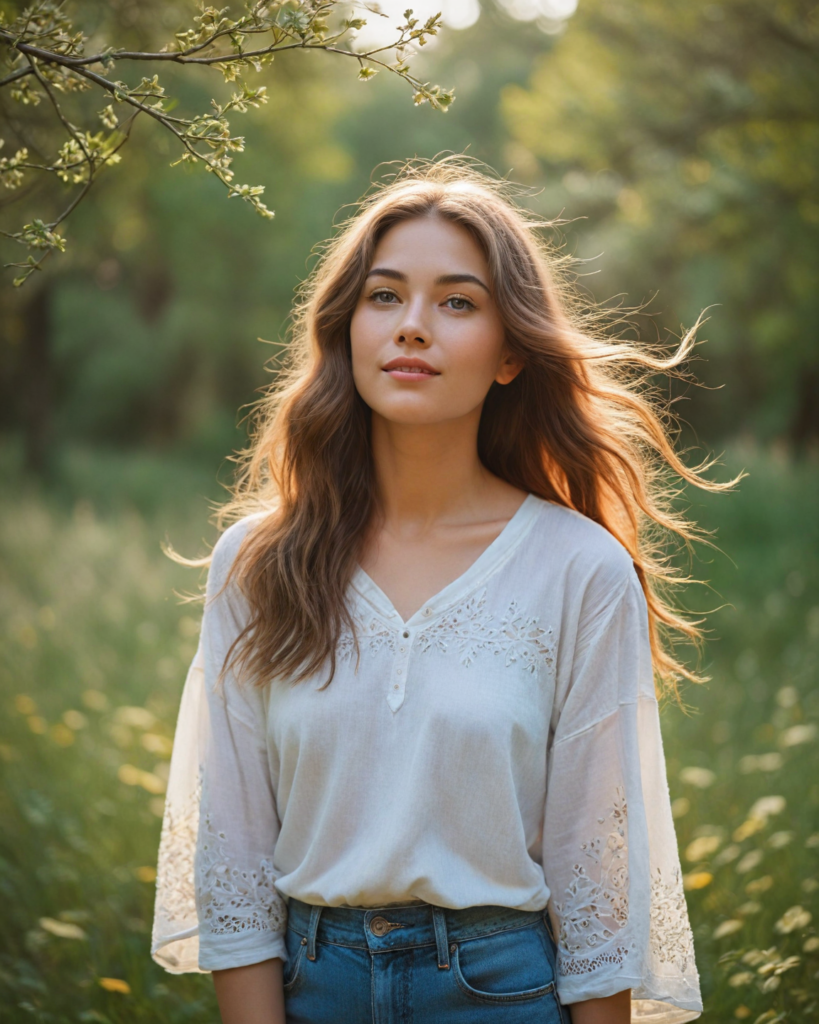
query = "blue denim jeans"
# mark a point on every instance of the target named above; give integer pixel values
(419, 964)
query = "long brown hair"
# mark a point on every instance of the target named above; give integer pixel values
(580, 426)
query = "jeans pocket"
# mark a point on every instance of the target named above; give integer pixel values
(508, 966)
(295, 955)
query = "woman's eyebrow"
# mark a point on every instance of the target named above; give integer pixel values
(397, 275)
(461, 279)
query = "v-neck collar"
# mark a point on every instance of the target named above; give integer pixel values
(488, 560)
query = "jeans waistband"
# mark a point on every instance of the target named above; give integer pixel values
(381, 929)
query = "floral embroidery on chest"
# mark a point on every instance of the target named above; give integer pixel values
(372, 634)
(473, 630)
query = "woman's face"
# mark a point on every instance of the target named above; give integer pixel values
(427, 338)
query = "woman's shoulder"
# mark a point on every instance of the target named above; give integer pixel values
(587, 550)
(227, 546)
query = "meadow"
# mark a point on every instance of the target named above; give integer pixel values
(95, 646)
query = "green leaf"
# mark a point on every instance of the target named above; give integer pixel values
(108, 117)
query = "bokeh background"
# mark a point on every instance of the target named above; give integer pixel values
(679, 144)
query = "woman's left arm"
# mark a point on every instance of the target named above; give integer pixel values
(609, 848)
(614, 1009)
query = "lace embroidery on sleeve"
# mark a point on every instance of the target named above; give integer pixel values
(231, 899)
(595, 907)
(175, 862)
(588, 964)
(670, 937)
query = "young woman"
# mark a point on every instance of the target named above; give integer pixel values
(418, 773)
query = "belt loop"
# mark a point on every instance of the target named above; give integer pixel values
(312, 928)
(441, 940)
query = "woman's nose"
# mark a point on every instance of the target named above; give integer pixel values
(413, 326)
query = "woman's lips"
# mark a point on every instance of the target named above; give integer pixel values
(412, 375)
(410, 369)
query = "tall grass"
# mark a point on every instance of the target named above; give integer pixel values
(95, 648)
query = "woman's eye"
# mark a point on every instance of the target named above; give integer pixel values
(383, 296)
(460, 303)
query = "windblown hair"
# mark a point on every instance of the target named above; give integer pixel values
(580, 426)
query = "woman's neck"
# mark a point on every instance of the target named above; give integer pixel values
(428, 474)
(440, 509)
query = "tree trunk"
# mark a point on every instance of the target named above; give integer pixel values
(805, 424)
(36, 381)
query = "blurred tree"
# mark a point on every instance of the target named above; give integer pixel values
(164, 290)
(688, 134)
(148, 384)
(46, 55)
(158, 302)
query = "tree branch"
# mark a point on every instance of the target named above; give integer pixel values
(20, 73)
(52, 49)
(65, 122)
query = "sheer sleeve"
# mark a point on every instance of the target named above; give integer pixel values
(217, 905)
(610, 850)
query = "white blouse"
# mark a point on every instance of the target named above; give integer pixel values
(500, 747)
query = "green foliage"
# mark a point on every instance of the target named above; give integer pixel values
(10, 174)
(158, 302)
(743, 764)
(685, 136)
(79, 825)
(688, 135)
(41, 42)
(94, 656)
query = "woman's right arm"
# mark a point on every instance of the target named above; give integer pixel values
(217, 906)
(252, 994)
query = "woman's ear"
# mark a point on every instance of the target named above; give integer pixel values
(509, 368)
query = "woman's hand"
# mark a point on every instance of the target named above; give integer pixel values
(252, 994)
(614, 1009)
